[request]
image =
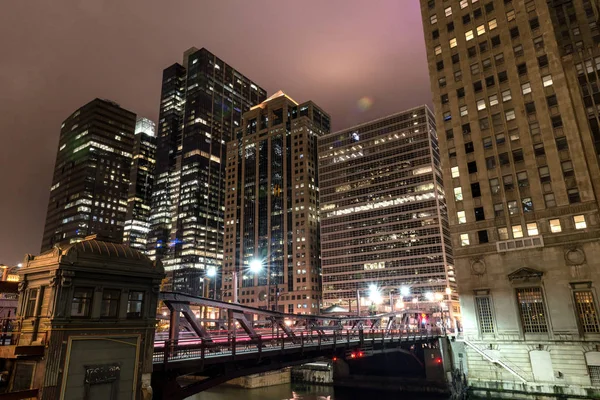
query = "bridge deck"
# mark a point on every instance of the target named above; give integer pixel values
(169, 353)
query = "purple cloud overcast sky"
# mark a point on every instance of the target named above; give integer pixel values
(58, 55)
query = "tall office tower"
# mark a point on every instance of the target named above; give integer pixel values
(137, 223)
(202, 102)
(514, 86)
(91, 175)
(384, 226)
(271, 221)
(168, 161)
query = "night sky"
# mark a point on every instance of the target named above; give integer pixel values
(58, 55)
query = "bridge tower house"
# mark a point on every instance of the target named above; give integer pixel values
(87, 317)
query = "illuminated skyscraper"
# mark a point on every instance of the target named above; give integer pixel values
(384, 223)
(91, 175)
(140, 188)
(271, 221)
(202, 102)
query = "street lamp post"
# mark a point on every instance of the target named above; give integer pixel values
(256, 266)
(211, 273)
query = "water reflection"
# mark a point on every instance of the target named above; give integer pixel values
(304, 392)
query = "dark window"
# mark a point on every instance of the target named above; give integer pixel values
(489, 7)
(502, 76)
(514, 32)
(444, 98)
(490, 81)
(435, 34)
(484, 123)
(538, 149)
(477, 86)
(518, 155)
(32, 295)
(460, 93)
(449, 134)
(521, 68)
(490, 162)
(530, 107)
(573, 195)
(543, 61)
(561, 143)
(503, 157)
(450, 26)
(472, 167)
(455, 58)
(466, 129)
(534, 23)
(509, 183)
(472, 51)
(557, 122)
(110, 302)
(475, 190)
(477, 13)
(483, 236)
(135, 304)
(82, 302)
(479, 214)
(483, 47)
(469, 147)
(551, 100)
(440, 65)
(466, 18)
(496, 41)
(442, 82)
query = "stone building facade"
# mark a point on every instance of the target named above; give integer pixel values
(86, 316)
(522, 180)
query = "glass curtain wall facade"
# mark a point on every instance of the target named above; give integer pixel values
(271, 223)
(91, 175)
(203, 102)
(384, 226)
(137, 223)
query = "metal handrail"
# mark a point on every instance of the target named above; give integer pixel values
(232, 346)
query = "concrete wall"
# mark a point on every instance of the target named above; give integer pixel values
(271, 378)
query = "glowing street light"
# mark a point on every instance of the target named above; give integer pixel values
(429, 296)
(448, 291)
(405, 291)
(439, 296)
(375, 294)
(211, 272)
(255, 266)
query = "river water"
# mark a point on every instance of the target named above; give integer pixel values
(304, 392)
